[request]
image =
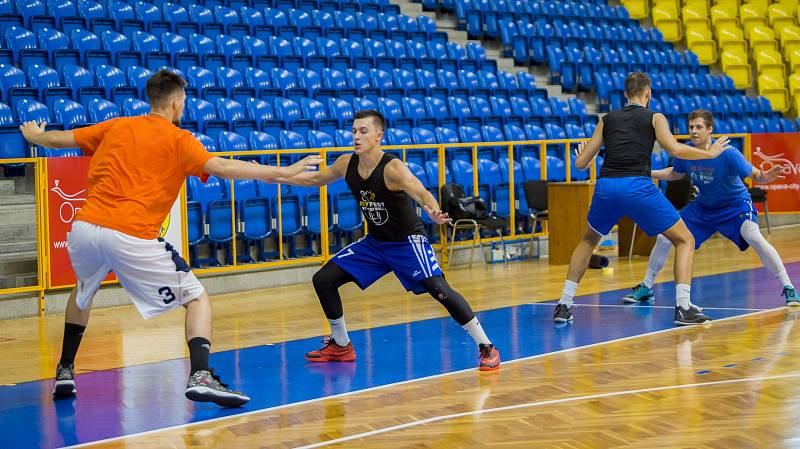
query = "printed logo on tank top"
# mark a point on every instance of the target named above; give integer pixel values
(374, 210)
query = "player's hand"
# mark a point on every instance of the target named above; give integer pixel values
(437, 216)
(776, 172)
(306, 164)
(581, 147)
(31, 130)
(719, 146)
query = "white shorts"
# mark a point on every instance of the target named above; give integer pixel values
(152, 273)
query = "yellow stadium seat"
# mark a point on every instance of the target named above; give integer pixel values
(701, 4)
(733, 4)
(775, 91)
(790, 40)
(794, 60)
(750, 16)
(762, 38)
(779, 15)
(666, 20)
(637, 9)
(759, 3)
(735, 65)
(730, 37)
(724, 15)
(770, 62)
(698, 39)
(695, 15)
(794, 84)
(674, 5)
(796, 104)
(789, 3)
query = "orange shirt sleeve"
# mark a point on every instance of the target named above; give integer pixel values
(89, 138)
(193, 156)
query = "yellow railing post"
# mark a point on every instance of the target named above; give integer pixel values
(323, 211)
(512, 192)
(234, 229)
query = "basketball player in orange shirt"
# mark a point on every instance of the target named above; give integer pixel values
(138, 167)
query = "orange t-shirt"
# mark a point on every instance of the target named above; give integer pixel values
(138, 167)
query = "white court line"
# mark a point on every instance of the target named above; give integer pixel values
(539, 404)
(380, 387)
(551, 304)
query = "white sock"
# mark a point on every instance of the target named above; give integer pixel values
(475, 330)
(657, 259)
(766, 252)
(682, 294)
(568, 293)
(339, 331)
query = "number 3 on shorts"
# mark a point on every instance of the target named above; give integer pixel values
(166, 295)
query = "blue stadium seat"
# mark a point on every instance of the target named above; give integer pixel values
(69, 113)
(340, 110)
(30, 110)
(137, 77)
(101, 110)
(121, 49)
(112, 80)
(82, 83)
(132, 107)
(344, 138)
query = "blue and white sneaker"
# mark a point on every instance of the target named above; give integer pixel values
(791, 296)
(640, 293)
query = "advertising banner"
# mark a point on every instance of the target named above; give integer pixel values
(781, 149)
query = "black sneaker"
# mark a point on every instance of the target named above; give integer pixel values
(692, 315)
(65, 381)
(205, 386)
(562, 314)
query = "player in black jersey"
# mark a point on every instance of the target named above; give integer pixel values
(386, 190)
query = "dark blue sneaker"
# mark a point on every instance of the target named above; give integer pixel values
(562, 314)
(692, 315)
(640, 293)
(791, 296)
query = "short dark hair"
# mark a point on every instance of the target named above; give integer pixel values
(377, 117)
(703, 114)
(636, 83)
(162, 85)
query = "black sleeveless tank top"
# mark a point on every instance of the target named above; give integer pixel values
(391, 216)
(628, 135)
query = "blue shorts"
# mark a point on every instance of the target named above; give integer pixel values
(703, 222)
(367, 260)
(635, 197)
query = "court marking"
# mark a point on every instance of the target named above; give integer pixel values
(542, 403)
(732, 309)
(380, 387)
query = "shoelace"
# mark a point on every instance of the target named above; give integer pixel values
(326, 340)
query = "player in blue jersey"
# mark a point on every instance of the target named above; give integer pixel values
(723, 206)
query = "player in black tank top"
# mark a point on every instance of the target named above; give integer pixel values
(624, 188)
(386, 191)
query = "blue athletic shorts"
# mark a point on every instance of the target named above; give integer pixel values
(635, 197)
(703, 222)
(367, 260)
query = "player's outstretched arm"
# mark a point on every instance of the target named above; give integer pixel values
(321, 177)
(679, 150)
(586, 151)
(35, 134)
(398, 177)
(666, 174)
(766, 177)
(235, 169)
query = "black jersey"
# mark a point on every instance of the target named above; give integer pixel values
(628, 135)
(391, 216)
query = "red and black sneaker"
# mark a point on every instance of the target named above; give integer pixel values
(332, 352)
(490, 357)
